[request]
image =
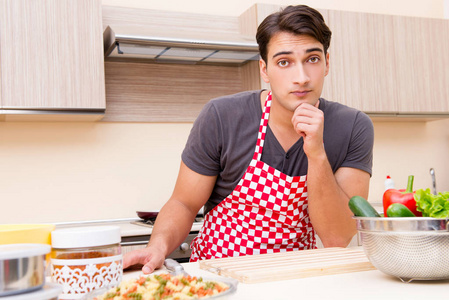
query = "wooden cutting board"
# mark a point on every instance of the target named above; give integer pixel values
(289, 265)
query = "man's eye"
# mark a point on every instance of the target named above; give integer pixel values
(314, 59)
(282, 63)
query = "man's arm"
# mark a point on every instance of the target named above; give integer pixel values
(174, 221)
(328, 193)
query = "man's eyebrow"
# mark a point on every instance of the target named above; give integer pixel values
(314, 49)
(282, 53)
(290, 52)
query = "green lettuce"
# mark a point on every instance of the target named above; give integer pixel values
(435, 206)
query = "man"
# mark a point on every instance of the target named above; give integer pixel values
(272, 168)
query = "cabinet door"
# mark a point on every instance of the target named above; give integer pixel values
(389, 64)
(52, 54)
(422, 64)
(362, 58)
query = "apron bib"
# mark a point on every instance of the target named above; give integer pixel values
(265, 213)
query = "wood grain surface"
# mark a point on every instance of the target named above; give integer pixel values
(52, 55)
(289, 265)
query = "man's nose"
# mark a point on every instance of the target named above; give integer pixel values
(301, 75)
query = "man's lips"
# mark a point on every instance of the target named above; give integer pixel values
(300, 93)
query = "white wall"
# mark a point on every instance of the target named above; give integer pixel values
(446, 9)
(53, 172)
(82, 171)
(410, 148)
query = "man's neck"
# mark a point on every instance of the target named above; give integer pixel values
(280, 124)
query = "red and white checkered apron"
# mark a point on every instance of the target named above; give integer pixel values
(265, 213)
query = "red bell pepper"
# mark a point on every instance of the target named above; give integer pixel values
(406, 197)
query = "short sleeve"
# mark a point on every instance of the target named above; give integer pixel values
(360, 151)
(202, 150)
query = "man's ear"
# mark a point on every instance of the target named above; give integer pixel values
(263, 70)
(327, 64)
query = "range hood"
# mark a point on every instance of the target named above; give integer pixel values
(175, 49)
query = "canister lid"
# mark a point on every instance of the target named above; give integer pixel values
(14, 251)
(81, 237)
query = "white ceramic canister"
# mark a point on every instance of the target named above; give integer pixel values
(84, 259)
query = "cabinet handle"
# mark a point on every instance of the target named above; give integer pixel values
(133, 243)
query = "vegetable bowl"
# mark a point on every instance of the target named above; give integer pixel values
(408, 248)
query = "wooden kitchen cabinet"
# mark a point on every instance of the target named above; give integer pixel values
(142, 90)
(384, 65)
(422, 64)
(52, 61)
(362, 61)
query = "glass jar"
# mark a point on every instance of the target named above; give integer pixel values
(86, 258)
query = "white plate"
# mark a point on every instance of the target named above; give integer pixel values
(232, 283)
(50, 291)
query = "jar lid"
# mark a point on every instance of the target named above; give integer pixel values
(81, 237)
(14, 251)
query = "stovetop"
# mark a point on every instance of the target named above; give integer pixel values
(150, 222)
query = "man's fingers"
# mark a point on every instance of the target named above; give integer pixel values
(134, 258)
(148, 268)
(306, 107)
(152, 265)
(148, 257)
(128, 260)
(305, 113)
(304, 120)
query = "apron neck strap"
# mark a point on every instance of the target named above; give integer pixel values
(262, 128)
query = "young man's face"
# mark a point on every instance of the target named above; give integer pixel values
(296, 67)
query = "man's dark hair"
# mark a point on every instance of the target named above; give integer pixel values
(299, 19)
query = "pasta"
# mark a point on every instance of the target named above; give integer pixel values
(164, 286)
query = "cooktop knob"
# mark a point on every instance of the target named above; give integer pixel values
(184, 247)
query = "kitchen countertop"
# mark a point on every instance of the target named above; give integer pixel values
(127, 226)
(131, 229)
(357, 285)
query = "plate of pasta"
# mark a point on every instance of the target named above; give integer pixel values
(167, 287)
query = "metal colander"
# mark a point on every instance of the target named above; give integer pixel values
(408, 248)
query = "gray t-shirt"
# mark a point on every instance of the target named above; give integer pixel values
(223, 139)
